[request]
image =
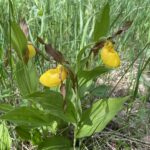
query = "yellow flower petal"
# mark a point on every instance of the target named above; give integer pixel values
(53, 77)
(109, 56)
(31, 50)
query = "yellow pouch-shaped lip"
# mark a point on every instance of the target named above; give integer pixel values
(31, 50)
(109, 56)
(53, 77)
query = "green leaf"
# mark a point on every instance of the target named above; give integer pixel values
(5, 107)
(18, 39)
(97, 117)
(81, 52)
(1, 53)
(28, 116)
(71, 96)
(101, 91)
(52, 102)
(85, 31)
(33, 76)
(36, 137)
(82, 61)
(23, 132)
(27, 79)
(5, 139)
(85, 76)
(102, 23)
(55, 143)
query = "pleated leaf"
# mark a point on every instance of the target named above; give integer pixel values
(98, 116)
(5, 139)
(87, 75)
(53, 103)
(55, 143)
(5, 107)
(27, 79)
(28, 116)
(18, 39)
(102, 23)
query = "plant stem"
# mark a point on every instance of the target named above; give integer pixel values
(74, 140)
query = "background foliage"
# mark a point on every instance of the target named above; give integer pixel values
(68, 26)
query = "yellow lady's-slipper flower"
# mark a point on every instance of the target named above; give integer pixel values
(109, 56)
(54, 77)
(31, 50)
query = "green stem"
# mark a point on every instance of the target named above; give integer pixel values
(138, 78)
(74, 139)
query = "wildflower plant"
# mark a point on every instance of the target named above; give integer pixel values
(48, 110)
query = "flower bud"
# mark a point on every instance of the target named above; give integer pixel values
(109, 56)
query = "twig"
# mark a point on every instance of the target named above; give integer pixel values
(125, 137)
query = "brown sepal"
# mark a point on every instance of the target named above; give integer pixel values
(63, 92)
(41, 40)
(24, 27)
(57, 55)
